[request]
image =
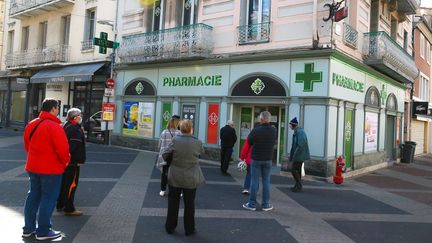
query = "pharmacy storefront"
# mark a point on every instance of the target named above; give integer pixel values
(344, 110)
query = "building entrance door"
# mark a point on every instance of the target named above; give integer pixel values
(249, 118)
(3, 101)
(390, 143)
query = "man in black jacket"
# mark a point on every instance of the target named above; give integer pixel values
(262, 139)
(77, 149)
(228, 138)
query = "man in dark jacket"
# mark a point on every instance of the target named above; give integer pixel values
(47, 156)
(262, 139)
(228, 138)
(298, 154)
(75, 136)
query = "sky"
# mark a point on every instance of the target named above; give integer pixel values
(426, 3)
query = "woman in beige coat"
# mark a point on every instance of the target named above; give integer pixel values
(184, 176)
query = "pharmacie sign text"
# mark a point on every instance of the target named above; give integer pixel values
(188, 81)
(347, 83)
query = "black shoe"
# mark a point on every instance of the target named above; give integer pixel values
(190, 233)
(169, 231)
(226, 174)
(297, 189)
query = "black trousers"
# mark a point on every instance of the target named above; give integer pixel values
(296, 173)
(68, 188)
(226, 153)
(164, 178)
(173, 209)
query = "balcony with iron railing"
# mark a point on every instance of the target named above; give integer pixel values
(28, 8)
(254, 33)
(384, 54)
(191, 41)
(407, 6)
(350, 36)
(34, 57)
(87, 46)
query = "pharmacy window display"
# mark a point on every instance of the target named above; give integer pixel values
(138, 119)
(371, 120)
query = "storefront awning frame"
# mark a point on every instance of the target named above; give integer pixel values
(73, 73)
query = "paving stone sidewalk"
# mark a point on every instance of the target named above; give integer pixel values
(119, 194)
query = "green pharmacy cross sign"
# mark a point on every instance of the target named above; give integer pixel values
(308, 77)
(104, 43)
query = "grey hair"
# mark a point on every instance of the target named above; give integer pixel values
(265, 117)
(72, 113)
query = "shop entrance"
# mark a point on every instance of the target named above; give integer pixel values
(390, 142)
(88, 98)
(3, 105)
(249, 118)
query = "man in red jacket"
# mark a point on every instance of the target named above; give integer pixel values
(47, 157)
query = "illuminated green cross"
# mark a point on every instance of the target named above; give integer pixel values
(104, 43)
(308, 77)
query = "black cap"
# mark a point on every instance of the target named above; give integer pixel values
(175, 117)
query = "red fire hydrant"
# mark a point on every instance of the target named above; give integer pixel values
(340, 164)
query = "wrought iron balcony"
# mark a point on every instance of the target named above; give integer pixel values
(50, 54)
(191, 41)
(384, 54)
(27, 8)
(350, 35)
(407, 6)
(254, 33)
(87, 45)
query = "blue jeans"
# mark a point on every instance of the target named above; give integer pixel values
(247, 181)
(258, 168)
(42, 197)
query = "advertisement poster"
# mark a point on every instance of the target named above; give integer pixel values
(213, 123)
(130, 119)
(145, 122)
(371, 131)
(138, 119)
(108, 111)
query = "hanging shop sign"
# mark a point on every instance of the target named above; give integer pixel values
(420, 108)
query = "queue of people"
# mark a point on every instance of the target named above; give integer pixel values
(55, 154)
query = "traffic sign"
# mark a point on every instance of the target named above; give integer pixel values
(109, 92)
(110, 83)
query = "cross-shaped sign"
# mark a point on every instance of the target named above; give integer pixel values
(104, 43)
(308, 77)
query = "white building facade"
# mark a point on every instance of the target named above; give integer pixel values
(211, 61)
(50, 53)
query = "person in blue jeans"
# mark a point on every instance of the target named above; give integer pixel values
(262, 139)
(47, 157)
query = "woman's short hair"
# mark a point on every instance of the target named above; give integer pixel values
(72, 113)
(186, 126)
(265, 117)
(173, 123)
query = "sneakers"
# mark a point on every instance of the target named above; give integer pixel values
(52, 234)
(74, 213)
(268, 208)
(245, 192)
(29, 234)
(246, 206)
(162, 193)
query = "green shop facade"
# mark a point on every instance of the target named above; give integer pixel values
(345, 107)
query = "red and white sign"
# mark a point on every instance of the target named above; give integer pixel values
(213, 124)
(110, 83)
(108, 110)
